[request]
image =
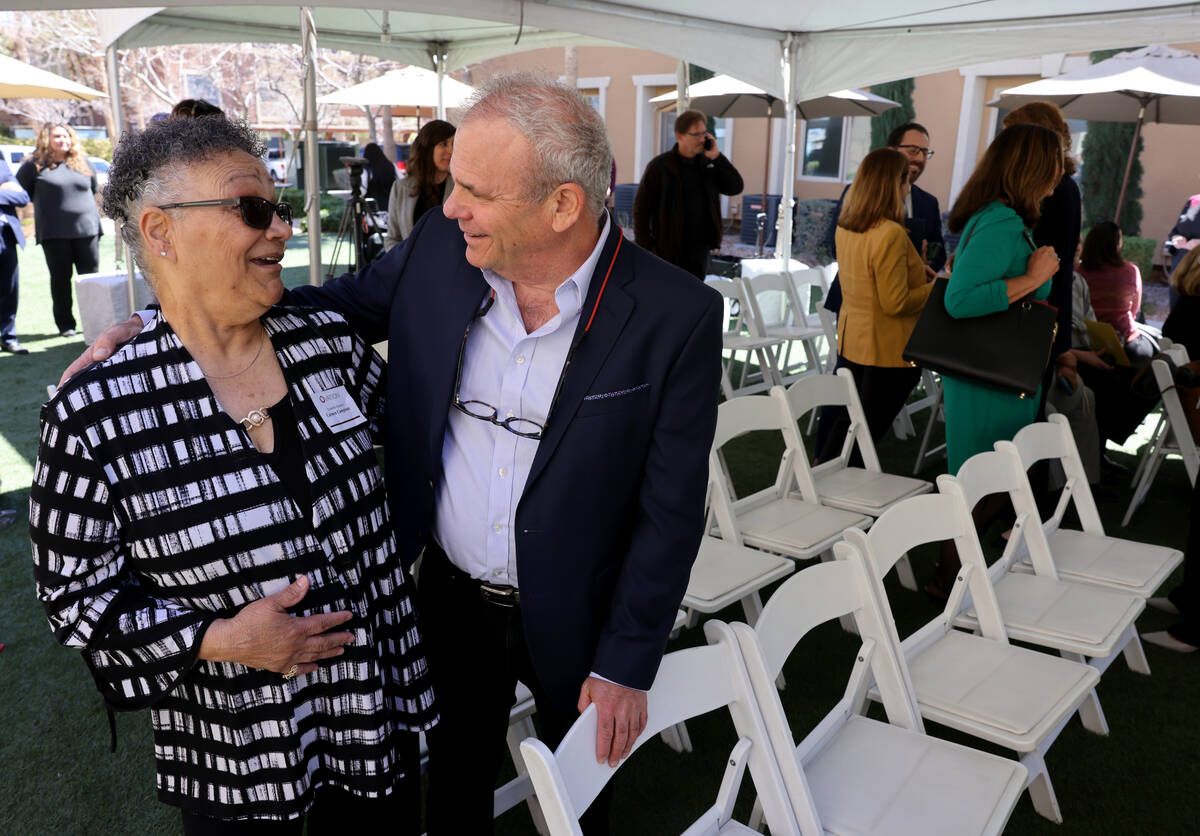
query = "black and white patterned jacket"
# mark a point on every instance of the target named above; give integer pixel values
(152, 514)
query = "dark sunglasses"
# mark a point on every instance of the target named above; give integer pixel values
(257, 212)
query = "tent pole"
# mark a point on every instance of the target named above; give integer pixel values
(783, 237)
(440, 61)
(767, 158)
(312, 172)
(683, 98)
(118, 122)
(1137, 132)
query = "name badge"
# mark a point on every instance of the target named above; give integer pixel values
(337, 409)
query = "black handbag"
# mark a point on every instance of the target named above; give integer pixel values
(1007, 350)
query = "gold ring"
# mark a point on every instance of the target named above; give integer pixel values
(291, 672)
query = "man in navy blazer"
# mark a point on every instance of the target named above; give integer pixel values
(12, 196)
(595, 550)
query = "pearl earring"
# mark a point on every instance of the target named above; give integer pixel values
(163, 253)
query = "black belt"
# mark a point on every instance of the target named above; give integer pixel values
(500, 594)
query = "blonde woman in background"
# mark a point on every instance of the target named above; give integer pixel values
(63, 186)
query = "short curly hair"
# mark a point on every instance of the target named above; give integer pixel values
(147, 165)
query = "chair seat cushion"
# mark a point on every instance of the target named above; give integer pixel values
(1065, 610)
(865, 489)
(795, 527)
(887, 781)
(991, 683)
(722, 567)
(1140, 566)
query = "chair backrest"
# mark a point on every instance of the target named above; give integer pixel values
(689, 683)
(815, 391)
(735, 417)
(735, 322)
(772, 300)
(1053, 439)
(1000, 471)
(933, 518)
(1181, 430)
(811, 597)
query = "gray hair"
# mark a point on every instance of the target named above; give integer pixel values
(567, 135)
(148, 167)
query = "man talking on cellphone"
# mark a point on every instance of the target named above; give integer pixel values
(677, 212)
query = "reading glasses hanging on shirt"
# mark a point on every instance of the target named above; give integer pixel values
(515, 424)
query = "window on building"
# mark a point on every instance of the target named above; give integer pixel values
(834, 147)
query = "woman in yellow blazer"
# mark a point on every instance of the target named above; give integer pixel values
(884, 287)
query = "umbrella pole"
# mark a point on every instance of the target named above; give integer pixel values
(1137, 132)
(767, 159)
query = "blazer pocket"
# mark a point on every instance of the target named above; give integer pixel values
(599, 403)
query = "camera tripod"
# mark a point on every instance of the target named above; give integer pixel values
(354, 221)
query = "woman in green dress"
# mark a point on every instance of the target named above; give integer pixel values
(996, 264)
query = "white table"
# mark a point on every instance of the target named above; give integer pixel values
(103, 300)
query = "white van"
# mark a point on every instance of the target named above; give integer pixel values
(14, 154)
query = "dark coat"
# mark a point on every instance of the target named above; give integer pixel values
(612, 512)
(1058, 227)
(657, 214)
(10, 199)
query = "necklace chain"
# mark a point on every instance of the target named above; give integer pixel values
(262, 339)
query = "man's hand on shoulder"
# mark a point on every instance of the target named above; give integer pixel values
(104, 346)
(621, 717)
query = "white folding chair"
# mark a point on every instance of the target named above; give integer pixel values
(725, 573)
(770, 519)
(1089, 555)
(978, 684)
(1173, 437)
(851, 774)
(738, 339)
(689, 683)
(1083, 623)
(776, 310)
(865, 490)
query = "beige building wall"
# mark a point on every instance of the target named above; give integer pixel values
(1170, 177)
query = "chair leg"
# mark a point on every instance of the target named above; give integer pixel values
(1135, 655)
(924, 452)
(676, 737)
(757, 819)
(1092, 715)
(1041, 791)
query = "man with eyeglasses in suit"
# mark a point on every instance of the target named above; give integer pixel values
(677, 211)
(922, 215)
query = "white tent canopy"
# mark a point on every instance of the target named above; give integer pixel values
(411, 87)
(807, 49)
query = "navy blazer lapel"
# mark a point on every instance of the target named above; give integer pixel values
(614, 310)
(466, 290)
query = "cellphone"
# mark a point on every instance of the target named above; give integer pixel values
(932, 250)
(708, 143)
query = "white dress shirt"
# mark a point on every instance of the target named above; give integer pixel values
(484, 467)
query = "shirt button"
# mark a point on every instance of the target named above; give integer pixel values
(520, 359)
(497, 528)
(503, 471)
(497, 573)
(510, 414)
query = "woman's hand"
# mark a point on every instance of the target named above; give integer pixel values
(1043, 264)
(1090, 358)
(263, 635)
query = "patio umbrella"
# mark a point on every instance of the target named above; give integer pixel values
(411, 86)
(19, 80)
(725, 97)
(1153, 84)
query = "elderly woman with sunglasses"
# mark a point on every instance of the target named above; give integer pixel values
(208, 517)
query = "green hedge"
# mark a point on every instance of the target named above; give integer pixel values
(332, 208)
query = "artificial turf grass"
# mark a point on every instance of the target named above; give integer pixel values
(57, 775)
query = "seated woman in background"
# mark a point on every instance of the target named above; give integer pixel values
(1183, 323)
(1116, 288)
(381, 176)
(884, 288)
(428, 183)
(209, 522)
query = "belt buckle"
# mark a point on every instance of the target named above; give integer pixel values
(500, 594)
